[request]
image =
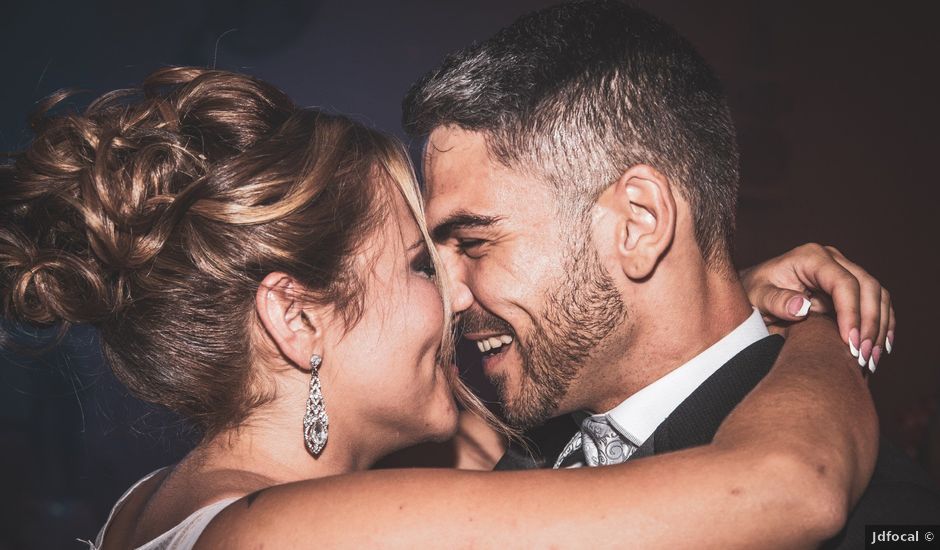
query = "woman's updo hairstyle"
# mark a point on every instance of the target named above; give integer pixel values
(155, 214)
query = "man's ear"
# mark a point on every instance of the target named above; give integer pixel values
(290, 322)
(644, 212)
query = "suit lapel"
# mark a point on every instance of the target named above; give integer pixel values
(546, 443)
(515, 458)
(648, 448)
(695, 420)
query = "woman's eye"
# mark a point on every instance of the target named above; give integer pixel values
(428, 270)
(423, 265)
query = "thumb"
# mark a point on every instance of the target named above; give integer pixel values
(783, 304)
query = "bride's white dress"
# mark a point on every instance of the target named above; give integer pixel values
(183, 536)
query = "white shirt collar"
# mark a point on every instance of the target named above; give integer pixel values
(639, 416)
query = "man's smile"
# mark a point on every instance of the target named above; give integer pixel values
(490, 342)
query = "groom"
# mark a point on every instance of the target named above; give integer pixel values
(582, 171)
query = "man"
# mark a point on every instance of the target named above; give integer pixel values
(582, 171)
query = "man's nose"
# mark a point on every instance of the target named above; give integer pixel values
(460, 296)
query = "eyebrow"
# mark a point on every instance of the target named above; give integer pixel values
(461, 219)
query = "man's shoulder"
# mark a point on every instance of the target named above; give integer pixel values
(696, 419)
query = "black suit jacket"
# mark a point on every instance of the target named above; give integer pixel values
(899, 491)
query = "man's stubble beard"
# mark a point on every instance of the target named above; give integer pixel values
(579, 314)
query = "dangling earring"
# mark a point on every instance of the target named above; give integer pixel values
(316, 422)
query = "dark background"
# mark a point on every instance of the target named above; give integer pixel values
(835, 104)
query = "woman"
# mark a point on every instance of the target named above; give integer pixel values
(264, 271)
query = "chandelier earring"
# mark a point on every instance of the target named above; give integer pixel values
(316, 421)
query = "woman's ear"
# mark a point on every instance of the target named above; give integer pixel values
(645, 212)
(290, 322)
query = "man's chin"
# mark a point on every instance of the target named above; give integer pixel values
(523, 414)
(522, 409)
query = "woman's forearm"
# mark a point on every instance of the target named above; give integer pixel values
(816, 404)
(705, 497)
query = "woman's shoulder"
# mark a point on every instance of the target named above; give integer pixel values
(118, 529)
(143, 485)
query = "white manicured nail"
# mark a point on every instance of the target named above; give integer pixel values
(861, 360)
(871, 365)
(804, 309)
(852, 349)
(888, 345)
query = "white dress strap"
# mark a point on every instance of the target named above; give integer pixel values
(117, 506)
(185, 534)
(182, 536)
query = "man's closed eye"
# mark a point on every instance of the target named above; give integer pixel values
(470, 247)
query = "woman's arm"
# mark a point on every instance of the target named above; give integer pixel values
(828, 413)
(782, 471)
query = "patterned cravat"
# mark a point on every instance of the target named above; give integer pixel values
(600, 443)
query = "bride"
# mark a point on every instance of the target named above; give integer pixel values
(264, 271)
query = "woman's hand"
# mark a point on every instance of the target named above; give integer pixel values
(819, 278)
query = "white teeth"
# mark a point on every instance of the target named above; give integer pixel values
(493, 342)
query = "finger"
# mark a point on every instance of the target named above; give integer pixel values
(885, 318)
(870, 297)
(869, 300)
(889, 341)
(827, 275)
(782, 303)
(878, 349)
(821, 303)
(875, 360)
